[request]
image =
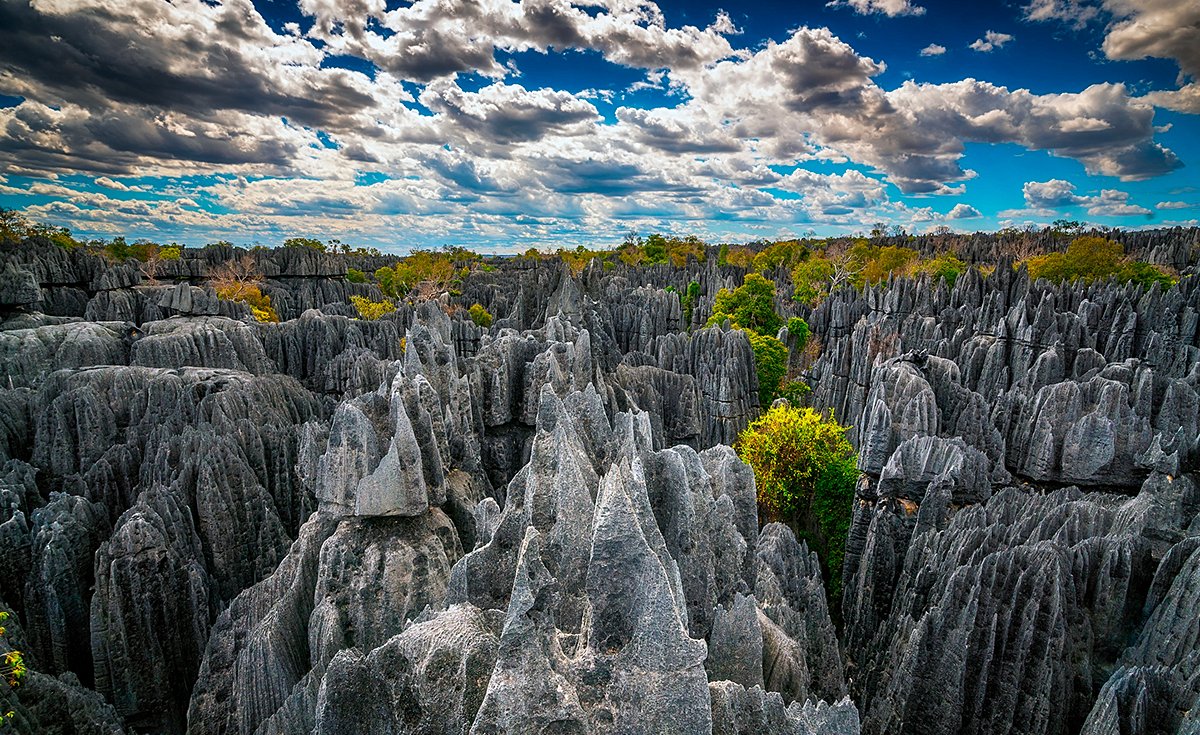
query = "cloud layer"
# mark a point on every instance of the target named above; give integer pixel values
(363, 117)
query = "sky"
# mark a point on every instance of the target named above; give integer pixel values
(501, 125)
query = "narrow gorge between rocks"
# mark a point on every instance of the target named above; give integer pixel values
(419, 525)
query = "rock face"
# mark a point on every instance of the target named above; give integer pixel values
(416, 525)
(959, 572)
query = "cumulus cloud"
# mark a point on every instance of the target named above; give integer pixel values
(1075, 13)
(1174, 205)
(1166, 29)
(933, 49)
(436, 38)
(108, 183)
(991, 41)
(214, 90)
(1137, 29)
(890, 8)
(1047, 196)
(504, 113)
(1184, 99)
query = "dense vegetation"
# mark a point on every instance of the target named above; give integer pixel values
(480, 315)
(751, 308)
(240, 280)
(371, 310)
(12, 668)
(1095, 259)
(805, 473)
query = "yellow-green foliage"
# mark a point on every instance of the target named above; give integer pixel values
(12, 665)
(945, 266)
(371, 310)
(239, 280)
(480, 315)
(656, 249)
(305, 242)
(804, 471)
(353, 275)
(876, 264)
(15, 226)
(578, 258)
(812, 280)
(740, 256)
(434, 269)
(784, 254)
(770, 362)
(252, 296)
(749, 306)
(1094, 259)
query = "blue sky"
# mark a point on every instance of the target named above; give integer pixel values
(499, 125)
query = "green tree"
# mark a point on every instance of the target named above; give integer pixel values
(1092, 258)
(480, 315)
(353, 275)
(770, 362)
(750, 306)
(13, 225)
(12, 667)
(798, 329)
(371, 310)
(304, 242)
(688, 302)
(805, 474)
(945, 266)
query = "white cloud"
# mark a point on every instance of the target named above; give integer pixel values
(890, 8)
(1174, 205)
(108, 183)
(1184, 99)
(991, 41)
(1076, 13)
(436, 38)
(1046, 196)
(963, 211)
(214, 90)
(933, 49)
(1167, 29)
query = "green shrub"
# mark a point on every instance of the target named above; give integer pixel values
(783, 254)
(795, 391)
(945, 266)
(770, 361)
(422, 267)
(812, 280)
(240, 280)
(799, 330)
(1093, 258)
(304, 242)
(749, 306)
(353, 275)
(805, 474)
(371, 310)
(688, 302)
(12, 664)
(480, 315)
(876, 264)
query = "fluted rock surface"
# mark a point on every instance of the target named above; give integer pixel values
(420, 525)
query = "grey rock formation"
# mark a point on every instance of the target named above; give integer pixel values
(222, 526)
(18, 287)
(150, 578)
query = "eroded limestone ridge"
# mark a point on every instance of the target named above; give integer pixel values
(416, 524)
